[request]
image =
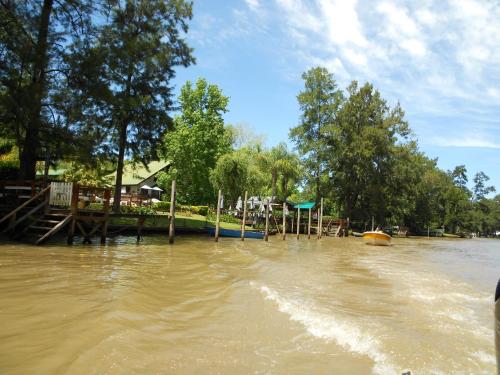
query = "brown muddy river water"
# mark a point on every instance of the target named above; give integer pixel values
(334, 306)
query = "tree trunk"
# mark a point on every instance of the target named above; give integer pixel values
(29, 154)
(274, 180)
(119, 168)
(318, 183)
(285, 187)
(122, 144)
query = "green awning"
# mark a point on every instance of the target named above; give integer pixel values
(304, 205)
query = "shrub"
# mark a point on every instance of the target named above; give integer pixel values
(96, 206)
(8, 169)
(141, 210)
(200, 210)
(197, 210)
(212, 216)
(162, 206)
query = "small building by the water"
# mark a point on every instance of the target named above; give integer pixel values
(136, 175)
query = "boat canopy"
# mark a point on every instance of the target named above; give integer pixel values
(304, 205)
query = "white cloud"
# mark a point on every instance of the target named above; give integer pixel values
(341, 22)
(468, 141)
(439, 58)
(253, 4)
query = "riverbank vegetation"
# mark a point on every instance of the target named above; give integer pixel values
(86, 87)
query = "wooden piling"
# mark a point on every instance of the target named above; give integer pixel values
(217, 220)
(298, 222)
(104, 231)
(74, 212)
(321, 219)
(171, 227)
(244, 217)
(266, 232)
(140, 226)
(284, 220)
(309, 226)
(317, 227)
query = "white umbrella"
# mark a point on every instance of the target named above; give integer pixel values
(156, 188)
(146, 187)
(239, 204)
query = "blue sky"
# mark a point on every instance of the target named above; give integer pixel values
(439, 59)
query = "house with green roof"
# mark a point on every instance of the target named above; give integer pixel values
(136, 175)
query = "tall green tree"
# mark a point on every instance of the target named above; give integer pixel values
(197, 141)
(273, 162)
(363, 145)
(124, 77)
(481, 190)
(33, 35)
(319, 103)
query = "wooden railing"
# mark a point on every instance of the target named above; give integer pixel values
(19, 189)
(134, 200)
(84, 196)
(13, 214)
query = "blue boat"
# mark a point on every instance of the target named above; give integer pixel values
(235, 233)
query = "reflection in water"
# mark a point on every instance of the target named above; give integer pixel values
(282, 307)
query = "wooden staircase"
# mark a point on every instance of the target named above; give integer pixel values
(336, 228)
(44, 226)
(34, 219)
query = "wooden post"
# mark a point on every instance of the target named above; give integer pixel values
(74, 212)
(321, 219)
(244, 217)
(171, 228)
(217, 220)
(309, 226)
(140, 225)
(284, 220)
(293, 220)
(266, 232)
(298, 221)
(104, 231)
(318, 228)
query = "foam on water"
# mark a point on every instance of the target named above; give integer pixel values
(328, 327)
(485, 357)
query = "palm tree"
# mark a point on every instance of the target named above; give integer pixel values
(279, 161)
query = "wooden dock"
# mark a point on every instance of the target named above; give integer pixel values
(35, 214)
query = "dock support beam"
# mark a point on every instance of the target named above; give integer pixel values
(284, 220)
(171, 228)
(321, 219)
(217, 220)
(266, 232)
(309, 226)
(104, 228)
(298, 222)
(244, 217)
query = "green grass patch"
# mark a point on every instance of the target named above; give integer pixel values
(191, 221)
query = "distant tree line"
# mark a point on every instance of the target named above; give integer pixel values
(361, 154)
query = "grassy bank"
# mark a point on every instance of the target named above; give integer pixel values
(192, 221)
